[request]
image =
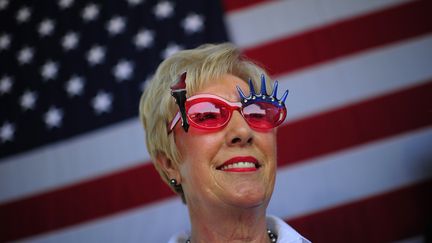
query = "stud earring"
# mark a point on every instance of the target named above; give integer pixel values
(173, 183)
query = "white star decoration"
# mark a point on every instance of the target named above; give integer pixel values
(102, 102)
(163, 10)
(5, 85)
(70, 41)
(46, 27)
(53, 117)
(90, 12)
(28, 100)
(4, 4)
(144, 39)
(193, 23)
(170, 50)
(65, 3)
(23, 15)
(74, 86)
(25, 55)
(146, 82)
(49, 70)
(123, 70)
(5, 41)
(116, 25)
(7, 131)
(134, 2)
(96, 55)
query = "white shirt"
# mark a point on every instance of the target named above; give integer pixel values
(285, 233)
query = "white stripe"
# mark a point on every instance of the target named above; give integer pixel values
(90, 155)
(278, 19)
(332, 180)
(147, 224)
(358, 77)
(313, 90)
(352, 174)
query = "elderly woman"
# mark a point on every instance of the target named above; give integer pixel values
(212, 137)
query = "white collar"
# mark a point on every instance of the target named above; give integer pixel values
(285, 233)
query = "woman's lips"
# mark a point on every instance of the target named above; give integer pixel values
(240, 164)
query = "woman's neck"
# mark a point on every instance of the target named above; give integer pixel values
(232, 225)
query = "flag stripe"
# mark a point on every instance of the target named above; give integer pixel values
(339, 178)
(371, 117)
(388, 217)
(95, 154)
(358, 77)
(320, 89)
(78, 203)
(230, 5)
(294, 17)
(356, 124)
(294, 187)
(343, 38)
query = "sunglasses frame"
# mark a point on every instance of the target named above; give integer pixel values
(232, 106)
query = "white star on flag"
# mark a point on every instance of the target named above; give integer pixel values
(49, 70)
(123, 70)
(70, 41)
(90, 12)
(171, 49)
(46, 27)
(163, 10)
(5, 41)
(25, 55)
(4, 4)
(23, 15)
(28, 100)
(116, 25)
(102, 102)
(74, 86)
(134, 2)
(96, 55)
(65, 3)
(144, 39)
(7, 131)
(53, 117)
(193, 23)
(5, 84)
(146, 82)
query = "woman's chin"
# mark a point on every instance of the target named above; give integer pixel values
(248, 197)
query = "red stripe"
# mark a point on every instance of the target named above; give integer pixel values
(356, 124)
(234, 5)
(344, 38)
(387, 217)
(81, 202)
(349, 126)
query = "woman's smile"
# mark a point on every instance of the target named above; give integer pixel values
(240, 164)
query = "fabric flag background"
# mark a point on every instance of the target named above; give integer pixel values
(354, 155)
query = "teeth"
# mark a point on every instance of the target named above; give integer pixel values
(238, 165)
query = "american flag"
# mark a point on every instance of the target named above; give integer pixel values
(354, 155)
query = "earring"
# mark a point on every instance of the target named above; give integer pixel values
(173, 183)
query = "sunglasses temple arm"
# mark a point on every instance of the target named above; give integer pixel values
(178, 91)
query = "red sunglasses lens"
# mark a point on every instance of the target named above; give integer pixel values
(263, 115)
(208, 114)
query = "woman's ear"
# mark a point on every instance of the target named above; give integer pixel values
(169, 167)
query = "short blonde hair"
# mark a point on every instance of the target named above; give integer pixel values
(203, 64)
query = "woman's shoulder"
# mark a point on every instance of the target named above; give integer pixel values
(285, 233)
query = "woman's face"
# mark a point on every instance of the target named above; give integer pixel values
(203, 154)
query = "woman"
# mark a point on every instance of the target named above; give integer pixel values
(214, 143)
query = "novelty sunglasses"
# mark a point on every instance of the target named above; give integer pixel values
(211, 112)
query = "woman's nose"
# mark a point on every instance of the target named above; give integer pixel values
(238, 132)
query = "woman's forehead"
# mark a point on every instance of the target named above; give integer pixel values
(225, 86)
